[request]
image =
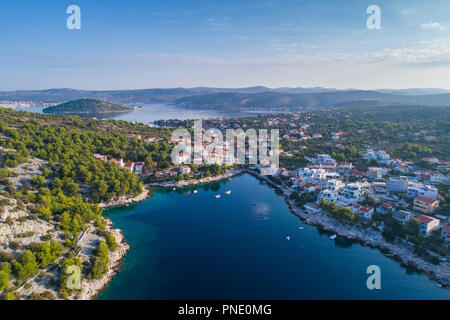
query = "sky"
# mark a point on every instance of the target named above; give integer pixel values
(135, 44)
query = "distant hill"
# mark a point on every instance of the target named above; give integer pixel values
(288, 101)
(414, 91)
(88, 106)
(242, 98)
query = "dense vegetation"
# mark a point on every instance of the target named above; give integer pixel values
(90, 106)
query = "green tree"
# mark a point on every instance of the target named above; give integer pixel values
(26, 266)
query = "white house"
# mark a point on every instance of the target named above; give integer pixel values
(418, 189)
(436, 177)
(139, 167)
(184, 170)
(364, 211)
(328, 195)
(129, 166)
(402, 216)
(399, 184)
(312, 174)
(353, 190)
(427, 224)
(445, 234)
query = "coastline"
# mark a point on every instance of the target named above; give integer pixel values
(92, 289)
(194, 182)
(368, 237)
(124, 200)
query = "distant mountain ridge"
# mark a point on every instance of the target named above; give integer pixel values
(88, 106)
(257, 97)
(288, 101)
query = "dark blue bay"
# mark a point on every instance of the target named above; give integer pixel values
(194, 246)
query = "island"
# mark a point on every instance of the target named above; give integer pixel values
(88, 106)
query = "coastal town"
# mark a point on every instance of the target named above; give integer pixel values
(343, 178)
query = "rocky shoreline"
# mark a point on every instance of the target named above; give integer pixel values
(125, 200)
(91, 289)
(186, 183)
(366, 237)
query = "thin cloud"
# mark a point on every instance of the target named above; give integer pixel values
(433, 25)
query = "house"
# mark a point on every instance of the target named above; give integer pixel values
(385, 208)
(357, 173)
(132, 135)
(436, 177)
(402, 216)
(322, 158)
(345, 167)
(364, 211)
(445, 234)
(427, 224)
(402, 168)
(139, 167)
(312, 174)
(383, 156)
(150, 139)
(374, 174)
(380, 187)
(100, 157)
(328, 195)
(184, 170)
(399, 184)
(353, 190)
(129, 166)
(418, 189)
(334, 184)
(309, 187)
(119, 162)
(425, 205)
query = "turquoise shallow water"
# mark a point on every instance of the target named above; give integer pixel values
(194, 246)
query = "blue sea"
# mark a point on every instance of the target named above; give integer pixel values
(186, 245)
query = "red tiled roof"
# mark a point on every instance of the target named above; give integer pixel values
(424, 219)
(425, 199)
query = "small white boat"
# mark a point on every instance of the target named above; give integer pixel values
(217, 196)
(300, 228)
(174, 189)
(438, 285)
(333, 237)
(228, 192)
(288, 238)
(195, 191)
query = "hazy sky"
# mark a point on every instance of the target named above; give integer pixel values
(145, 44)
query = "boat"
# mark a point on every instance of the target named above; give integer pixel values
(228, 192)
(333, 237)
(300, 228)
(174, 189)
(217, 196)
(438, 285)
(288, 238)
(195, 191)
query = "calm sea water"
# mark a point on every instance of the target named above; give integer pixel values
(154, 112)
(194, 246)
